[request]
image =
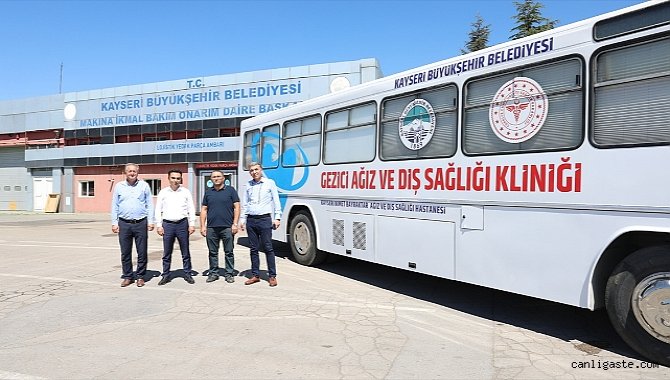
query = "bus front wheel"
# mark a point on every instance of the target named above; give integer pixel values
(637, 299)
(302, 238)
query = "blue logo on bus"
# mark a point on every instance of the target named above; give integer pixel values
(282, 167)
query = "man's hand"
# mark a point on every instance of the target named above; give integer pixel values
(203, 231)
(151, 227)
(115, 229)
(191, 230)
(160, 231)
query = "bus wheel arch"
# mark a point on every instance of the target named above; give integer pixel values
(302, 239)
(617, 250)
(637, 299)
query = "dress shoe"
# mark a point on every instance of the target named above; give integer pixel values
(252, 280)
(164, 280)
(212, 277)
(126, 282)
(230, 279)
(272, 281)
(189, 279)
(140, 282)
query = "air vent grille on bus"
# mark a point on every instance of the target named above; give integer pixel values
(360, 237)
(338, 232)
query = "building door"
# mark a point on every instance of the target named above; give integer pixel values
(15, 191)
(205, 183)
(42, 187)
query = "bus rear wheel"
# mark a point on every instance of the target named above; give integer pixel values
(637, 299)
(302, 239)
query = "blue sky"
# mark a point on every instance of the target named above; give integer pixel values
(115, 43)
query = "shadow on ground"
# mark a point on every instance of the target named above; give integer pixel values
(589, 331)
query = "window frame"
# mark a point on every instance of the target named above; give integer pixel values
(456, 108)
(263, 141)
(248, 147)
(302, 134)
(154, 185)
(594, 84)
(584, 88)
(640, 16)
(349, 127)
(86, 189)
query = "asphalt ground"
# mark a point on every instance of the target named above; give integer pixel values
(63, 315)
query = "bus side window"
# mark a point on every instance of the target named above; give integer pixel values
(631, 95)
(302, 142)
(252, 145)
(270, 147)
(436, 114)
(562, 110)
(350, 135)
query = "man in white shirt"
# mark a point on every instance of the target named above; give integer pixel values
(175, 218)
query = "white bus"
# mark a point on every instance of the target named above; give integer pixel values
(537, 167)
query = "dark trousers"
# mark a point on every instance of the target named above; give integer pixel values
(215, 235)
(259, 231)
(127, 233)
(179, 231)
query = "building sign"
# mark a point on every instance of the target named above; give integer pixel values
(189, 103)
(216, 165)
(197, 145)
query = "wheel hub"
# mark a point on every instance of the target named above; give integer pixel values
(301, 238)
(651, 305)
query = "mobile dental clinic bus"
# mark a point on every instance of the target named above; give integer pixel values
(537, 166)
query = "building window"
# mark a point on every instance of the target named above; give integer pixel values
(154, 185)
(86, 189)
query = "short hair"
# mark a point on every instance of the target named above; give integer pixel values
(131, 164)
(253, 163)
(175, 171)
(216, 171)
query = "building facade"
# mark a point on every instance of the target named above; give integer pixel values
(71, 148)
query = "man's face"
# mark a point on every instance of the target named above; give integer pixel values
(217, 178)
(255, 172)
(175, 180)
(131, 173)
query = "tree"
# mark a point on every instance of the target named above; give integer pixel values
(529, 19)
(478, 37)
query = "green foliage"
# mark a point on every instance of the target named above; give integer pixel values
(478, 37)
(529, 19)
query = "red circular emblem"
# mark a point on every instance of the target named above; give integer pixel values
(518, 110)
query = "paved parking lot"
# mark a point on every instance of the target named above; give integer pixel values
(64, 315)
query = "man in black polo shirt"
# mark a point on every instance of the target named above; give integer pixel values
(219, 215)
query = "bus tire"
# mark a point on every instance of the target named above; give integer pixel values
(302, 238)
(637, 299)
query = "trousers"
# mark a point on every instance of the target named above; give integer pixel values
(178, 231)
(129, 232)
(259, 231)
